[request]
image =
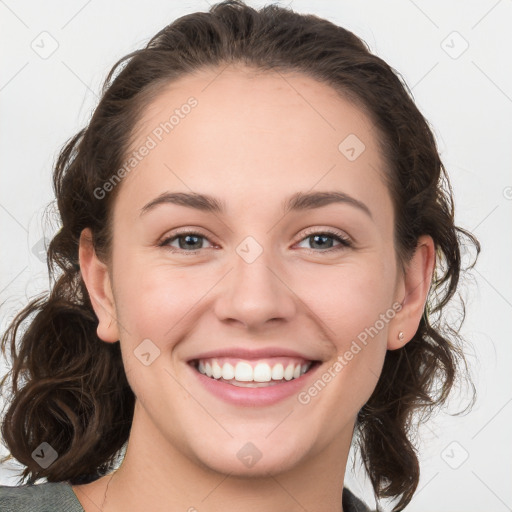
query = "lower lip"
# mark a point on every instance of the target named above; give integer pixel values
(254, 397)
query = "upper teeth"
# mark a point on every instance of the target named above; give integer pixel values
(244, 371)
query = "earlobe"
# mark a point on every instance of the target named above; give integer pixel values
(415, 288)
(97, 281)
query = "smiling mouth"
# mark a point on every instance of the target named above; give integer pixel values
(253, 373)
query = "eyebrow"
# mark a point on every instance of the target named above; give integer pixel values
(299, 201)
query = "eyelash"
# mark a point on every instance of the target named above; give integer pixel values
(345, 242)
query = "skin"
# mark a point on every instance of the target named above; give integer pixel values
(252, 141)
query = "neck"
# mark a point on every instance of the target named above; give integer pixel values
(155, 478)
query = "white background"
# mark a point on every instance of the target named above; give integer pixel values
(467, 100)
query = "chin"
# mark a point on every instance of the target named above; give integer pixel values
(261, 468)
(242, 458)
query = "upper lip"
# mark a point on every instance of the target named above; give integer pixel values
(245, 353)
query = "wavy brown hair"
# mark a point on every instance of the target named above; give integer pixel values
(69, 388)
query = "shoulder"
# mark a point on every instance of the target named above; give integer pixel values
(351, 503)
(45, 497)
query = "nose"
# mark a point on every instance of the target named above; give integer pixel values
(254, 294)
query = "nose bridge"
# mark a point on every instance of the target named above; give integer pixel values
(253, 293)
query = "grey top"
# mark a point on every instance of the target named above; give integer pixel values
(45, 497)
(60, 497)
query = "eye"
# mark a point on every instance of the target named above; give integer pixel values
(323, 240)
(191, 242)
(188, 241)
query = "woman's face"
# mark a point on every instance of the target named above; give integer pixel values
(256, 284)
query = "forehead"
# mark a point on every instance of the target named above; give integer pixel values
(263, 134)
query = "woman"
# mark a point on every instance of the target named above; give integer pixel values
(257, 246)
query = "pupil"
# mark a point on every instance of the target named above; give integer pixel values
(188, 245)
(192, 241)
(316, 237)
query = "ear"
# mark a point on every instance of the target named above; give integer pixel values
(97, 280)
(413, 289)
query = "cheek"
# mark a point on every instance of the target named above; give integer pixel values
(152, 298)
(154, 302)
(354, 303)
(349, 298)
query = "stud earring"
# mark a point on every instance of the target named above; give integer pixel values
(401, 336)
